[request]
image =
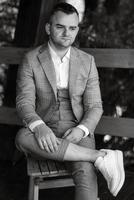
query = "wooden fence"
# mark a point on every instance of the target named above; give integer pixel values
(107, 58)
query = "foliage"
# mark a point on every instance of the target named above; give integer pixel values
(108, 29)
(110, 24)
(8, 15)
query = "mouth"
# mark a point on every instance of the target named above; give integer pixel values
(65, 38)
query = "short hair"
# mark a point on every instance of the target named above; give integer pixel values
(64, 7)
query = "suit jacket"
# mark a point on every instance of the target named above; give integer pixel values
(36, 87)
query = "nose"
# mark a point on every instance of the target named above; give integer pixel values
(66, 32)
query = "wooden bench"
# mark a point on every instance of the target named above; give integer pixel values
(46, 174)
(51, 174)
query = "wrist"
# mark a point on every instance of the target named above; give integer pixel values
(35, 124)
(84, 129)
(83, 133)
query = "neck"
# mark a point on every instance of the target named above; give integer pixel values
(60, 51)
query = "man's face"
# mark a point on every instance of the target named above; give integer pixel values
(63, 29)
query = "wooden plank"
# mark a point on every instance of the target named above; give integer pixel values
(52, 167)
(109, 58)
(56, 183)
(33, 167)
(11, 55)
(123, 127)
(113, 58)
(9, 116)
(44, 167)
(60, 167)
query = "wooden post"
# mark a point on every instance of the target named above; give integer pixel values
(27, 23)
(25, 33)
(46, 7)
(33, 189)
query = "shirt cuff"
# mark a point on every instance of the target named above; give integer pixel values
(34, 124)
(85, 129)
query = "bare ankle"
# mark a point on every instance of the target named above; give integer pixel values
(97, 154)
(101, 153)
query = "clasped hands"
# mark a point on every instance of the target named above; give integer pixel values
(47, 140)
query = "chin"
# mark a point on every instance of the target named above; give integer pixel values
(66, 44)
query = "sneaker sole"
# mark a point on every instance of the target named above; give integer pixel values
(119, 164)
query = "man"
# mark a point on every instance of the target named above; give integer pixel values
(59, 101)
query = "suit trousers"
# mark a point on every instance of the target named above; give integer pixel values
(60, 120)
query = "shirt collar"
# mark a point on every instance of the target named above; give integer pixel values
(55, 56)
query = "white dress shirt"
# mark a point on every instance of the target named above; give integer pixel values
(62, 76)
(61, 68)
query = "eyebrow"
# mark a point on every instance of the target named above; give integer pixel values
(64, 26)
(59, 25)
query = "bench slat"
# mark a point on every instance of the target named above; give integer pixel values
(52, 167)
(33, 167)
(60, 167)
(56, 183)
(44, 167)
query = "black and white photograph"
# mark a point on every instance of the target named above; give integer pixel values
(66, 100)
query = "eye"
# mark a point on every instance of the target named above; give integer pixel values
(59, 27)
(73, 28)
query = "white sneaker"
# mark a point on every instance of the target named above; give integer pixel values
(112, 168)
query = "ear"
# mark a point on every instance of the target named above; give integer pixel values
(78, 29)
(47, 28)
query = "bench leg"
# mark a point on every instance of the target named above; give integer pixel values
(33, 190)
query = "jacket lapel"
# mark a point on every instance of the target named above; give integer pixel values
(48, 67)
(74, 70)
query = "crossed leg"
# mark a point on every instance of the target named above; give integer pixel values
(84, 174)
(79, 159)
(25, 141)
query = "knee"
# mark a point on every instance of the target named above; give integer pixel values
(20, 139)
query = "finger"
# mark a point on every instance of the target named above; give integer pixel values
(70, 138)
(54, 143)
(45, 145)
(66, 133)
(40, 144)
(50, 145)
(58, 141)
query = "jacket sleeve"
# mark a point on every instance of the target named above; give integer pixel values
(26, 94)
(92, 99)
